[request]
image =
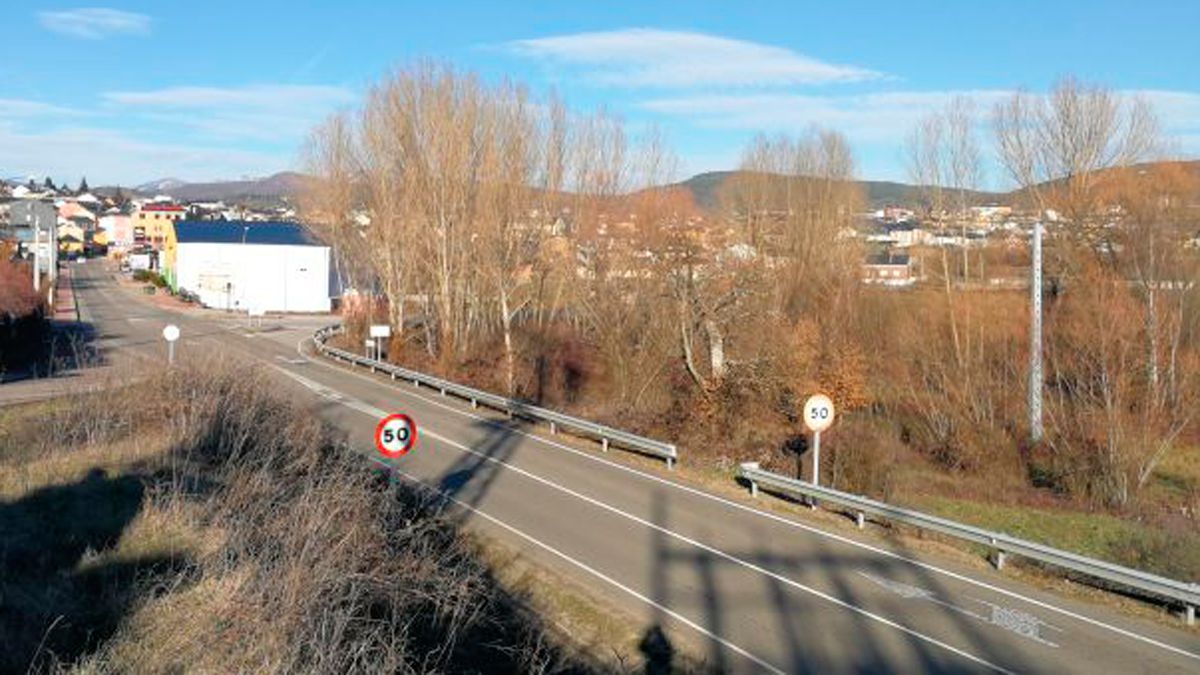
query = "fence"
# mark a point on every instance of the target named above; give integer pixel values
(515, 408)
(1184, 594)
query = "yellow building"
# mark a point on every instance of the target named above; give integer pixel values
(70, 238)
(154, 226)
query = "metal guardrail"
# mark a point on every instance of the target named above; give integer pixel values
(1187, 595)
(605, 434)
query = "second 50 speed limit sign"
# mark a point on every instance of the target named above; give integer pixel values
(818, 412)
(395, 435)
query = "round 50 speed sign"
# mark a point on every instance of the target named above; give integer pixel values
(818, 412)
(395, 435)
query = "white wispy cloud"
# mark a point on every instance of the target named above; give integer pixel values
(863, 117)
(94, 23)
(251, 96)
(12, 108)
(198, 133)
(644, 57)
(274, 112)
(881, 117)
(109, 156)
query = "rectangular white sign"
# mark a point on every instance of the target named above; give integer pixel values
(381, 331)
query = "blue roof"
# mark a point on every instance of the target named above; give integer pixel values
(233, 231)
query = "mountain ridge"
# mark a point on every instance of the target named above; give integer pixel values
(283, 186)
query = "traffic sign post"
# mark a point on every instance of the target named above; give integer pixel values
(170, 333)
(378, 331)
(818, 416)
(255, 312)
(395, 435)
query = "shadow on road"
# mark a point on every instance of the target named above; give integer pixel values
(812, 630)
(56, 605)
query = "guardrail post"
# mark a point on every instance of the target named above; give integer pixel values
(1189, 615)
(860, 519)
(1000, 560)
(416, 383)
(670, 464)
(753, 489)
(393, 376)
(443, 391)
(553, 428)
(474, 403)
(604, 444)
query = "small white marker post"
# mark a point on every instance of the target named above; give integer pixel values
(170, 333)
(818, 416)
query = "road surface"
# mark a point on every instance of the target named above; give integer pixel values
(755, 591)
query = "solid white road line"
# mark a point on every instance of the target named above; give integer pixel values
(376, 413)
(771, 516)
(602, 576)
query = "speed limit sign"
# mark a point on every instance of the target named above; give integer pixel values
(818, 416)
(818, 412)
(395, 435)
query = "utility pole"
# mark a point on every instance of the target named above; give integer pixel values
(37, 253)
(1035, 336)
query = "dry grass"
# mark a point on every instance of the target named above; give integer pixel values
(219, 529)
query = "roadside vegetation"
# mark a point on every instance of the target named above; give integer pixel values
(22, 323)
(214, 526)
(541, 252)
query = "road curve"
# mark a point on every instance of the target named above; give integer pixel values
(754, 591)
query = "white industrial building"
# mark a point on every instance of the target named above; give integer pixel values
(255, 266)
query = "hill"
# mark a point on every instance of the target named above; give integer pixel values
(705, 189)
(272, 190)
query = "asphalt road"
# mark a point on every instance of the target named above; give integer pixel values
(755, 591)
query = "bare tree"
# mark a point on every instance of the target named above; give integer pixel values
(332, 198)
(1056, 147)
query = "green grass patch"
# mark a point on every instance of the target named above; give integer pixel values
(1097, 535)
(1178, 476)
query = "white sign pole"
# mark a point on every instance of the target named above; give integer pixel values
(816, 458)
(170, 333)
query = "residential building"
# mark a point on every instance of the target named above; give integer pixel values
(119, 227)
(889, 269)
(906, 234)
(33, 221)
(153, 224)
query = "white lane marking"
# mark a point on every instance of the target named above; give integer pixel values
(780, 519)
(600, 575)
(374, 412)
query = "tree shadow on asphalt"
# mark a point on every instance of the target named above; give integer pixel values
(803, 619)
(800, 617)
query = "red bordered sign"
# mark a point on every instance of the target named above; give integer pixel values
(395, 435)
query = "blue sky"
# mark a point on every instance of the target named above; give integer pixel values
(136, 91)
